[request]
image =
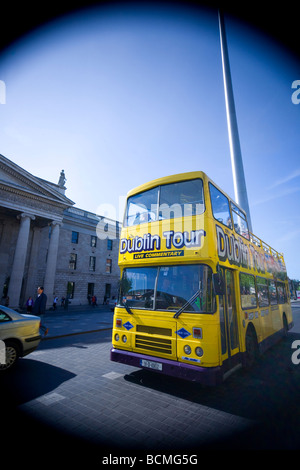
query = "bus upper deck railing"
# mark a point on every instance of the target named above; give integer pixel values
(267, 248)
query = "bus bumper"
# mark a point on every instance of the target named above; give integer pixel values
(204, 375)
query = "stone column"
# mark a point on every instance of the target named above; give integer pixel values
(16, 277)
(34, 261)
(51, 263)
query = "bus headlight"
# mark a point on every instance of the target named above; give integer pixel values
(187, 349)
(117, 337)
(199, 351)
(124, 339)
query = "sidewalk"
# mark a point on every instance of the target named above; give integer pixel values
(85, 319)
(77, 320)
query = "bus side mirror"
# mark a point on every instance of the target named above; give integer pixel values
(218, 283)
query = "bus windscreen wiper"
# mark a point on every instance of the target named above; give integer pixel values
(127, 308)
(189, 302)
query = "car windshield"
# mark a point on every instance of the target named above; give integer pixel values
(168, 288)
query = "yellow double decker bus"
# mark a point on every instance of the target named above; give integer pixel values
(199, 294)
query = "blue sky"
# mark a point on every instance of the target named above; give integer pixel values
(119, 96)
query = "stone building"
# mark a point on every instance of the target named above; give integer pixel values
(44, 240)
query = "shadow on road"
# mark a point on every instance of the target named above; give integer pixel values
(268, 395)
(29, 380)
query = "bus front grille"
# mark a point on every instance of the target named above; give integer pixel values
(154, 330)
(154, 344)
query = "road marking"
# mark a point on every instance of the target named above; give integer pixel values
(50, 398)
(112, 375)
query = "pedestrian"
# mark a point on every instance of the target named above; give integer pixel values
(6, 301)
(39, 308)
(55, 302)
(29, 304)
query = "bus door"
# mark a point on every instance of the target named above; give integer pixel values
(229, 322)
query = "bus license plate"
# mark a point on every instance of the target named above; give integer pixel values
(151, 364)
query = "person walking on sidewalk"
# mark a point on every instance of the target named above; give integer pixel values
(39, 308)
(29, 304)
(55, 300)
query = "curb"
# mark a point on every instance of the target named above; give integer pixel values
(74, 334)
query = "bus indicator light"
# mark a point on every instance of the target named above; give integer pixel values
(118, 322)
(197, 333)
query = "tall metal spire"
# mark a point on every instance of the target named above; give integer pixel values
(239, 182)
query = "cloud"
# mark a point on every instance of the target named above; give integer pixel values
(286, 179)
(276, 195)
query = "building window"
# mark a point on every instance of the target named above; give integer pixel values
(90, 292)
(70, 290)
(93, 241)
(92, 263)
(75, 236)
(109, 244)
(108, 265)
(73, 261)
(107, 291)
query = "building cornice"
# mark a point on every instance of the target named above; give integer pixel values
(32, 184)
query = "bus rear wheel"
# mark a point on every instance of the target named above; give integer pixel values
(251, 348)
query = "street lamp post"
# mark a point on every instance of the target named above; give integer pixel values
(239, 182)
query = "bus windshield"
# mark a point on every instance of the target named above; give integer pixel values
(165, 202)
(168, 288)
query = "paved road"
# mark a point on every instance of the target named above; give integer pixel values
(69, 397)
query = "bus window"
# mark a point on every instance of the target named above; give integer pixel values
(240, 221)
(181, 199)
(177, 284)
(247, 290)
(281, 293)
(272, 293)
(141, 208)
(262, 292)
(220, 206)
(137, 287)
(168, 201)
